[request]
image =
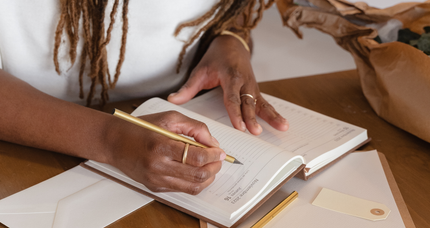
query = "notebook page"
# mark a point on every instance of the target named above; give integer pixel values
(310, 135)
(235, 187)
(235, 184)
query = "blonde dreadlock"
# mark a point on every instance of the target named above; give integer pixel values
(224, 15)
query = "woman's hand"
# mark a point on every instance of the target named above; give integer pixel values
(156, 161)
(227, 63)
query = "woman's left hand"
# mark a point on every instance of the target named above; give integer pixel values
(227, 63)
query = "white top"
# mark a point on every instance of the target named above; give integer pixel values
(27, 41)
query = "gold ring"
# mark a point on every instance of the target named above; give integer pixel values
(184, 156)
(249, 95)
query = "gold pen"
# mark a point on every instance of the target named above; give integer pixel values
(127, 117)
(272, 213)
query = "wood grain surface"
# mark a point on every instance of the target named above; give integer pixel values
(337, 95)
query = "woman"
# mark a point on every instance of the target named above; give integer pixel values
(80, 38)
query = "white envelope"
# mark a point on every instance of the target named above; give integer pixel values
(75, 198)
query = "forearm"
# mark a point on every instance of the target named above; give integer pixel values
(32, 118)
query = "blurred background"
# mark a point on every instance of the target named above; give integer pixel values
(279, 53)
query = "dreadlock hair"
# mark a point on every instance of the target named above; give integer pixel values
(239, 16)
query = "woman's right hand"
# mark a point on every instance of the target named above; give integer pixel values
(32, 118)
(156, 161)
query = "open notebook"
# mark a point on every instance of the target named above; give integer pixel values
(269, 162)
(319, 139)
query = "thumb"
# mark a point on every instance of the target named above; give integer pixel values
(187, 92)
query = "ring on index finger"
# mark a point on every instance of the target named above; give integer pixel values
(249, 95)
(184, 156)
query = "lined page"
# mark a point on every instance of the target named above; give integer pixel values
(310, 135)
(236, 187)
(235, 184)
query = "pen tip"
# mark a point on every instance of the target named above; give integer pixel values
(237, 162)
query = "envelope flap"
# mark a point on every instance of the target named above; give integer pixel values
(43, 197)
(97, 205)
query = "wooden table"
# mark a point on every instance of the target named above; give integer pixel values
(337, 95)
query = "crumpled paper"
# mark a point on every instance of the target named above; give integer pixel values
(395, 77)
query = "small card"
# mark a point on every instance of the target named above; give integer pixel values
(351, 205)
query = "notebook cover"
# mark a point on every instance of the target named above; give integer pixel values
(401, 205)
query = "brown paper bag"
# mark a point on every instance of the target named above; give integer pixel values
(395, 77)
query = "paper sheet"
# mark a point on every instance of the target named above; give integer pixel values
(359, 174)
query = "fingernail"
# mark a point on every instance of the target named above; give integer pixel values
(259, 128)
(242, 126)
(215, 141)
(285, 124)
(222, 156)
(172, 94)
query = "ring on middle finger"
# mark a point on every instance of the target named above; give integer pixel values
(184, 155)
(249, 95)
